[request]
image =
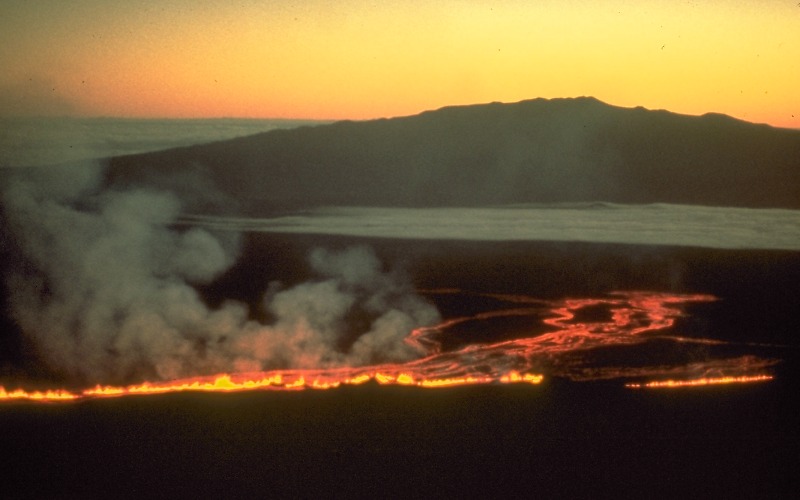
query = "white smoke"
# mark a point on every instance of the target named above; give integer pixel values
(105, 290)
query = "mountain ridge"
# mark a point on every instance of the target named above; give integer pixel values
(532, 151)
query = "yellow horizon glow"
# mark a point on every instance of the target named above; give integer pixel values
(359, 60)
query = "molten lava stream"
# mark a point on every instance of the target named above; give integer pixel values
(518, 360)
(670, 384)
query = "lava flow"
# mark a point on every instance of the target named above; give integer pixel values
(700, 382)
(558, 338)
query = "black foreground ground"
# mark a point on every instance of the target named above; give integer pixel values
(559, 439)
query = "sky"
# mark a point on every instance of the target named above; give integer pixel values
(355, 59)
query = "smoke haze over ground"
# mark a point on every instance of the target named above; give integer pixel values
(104, 286)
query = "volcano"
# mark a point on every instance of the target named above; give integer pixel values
(535, 151)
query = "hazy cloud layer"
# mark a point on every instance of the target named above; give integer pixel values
(47, 141)
(658, 224)
(104, 290)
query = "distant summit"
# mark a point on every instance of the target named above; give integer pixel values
(535, 151)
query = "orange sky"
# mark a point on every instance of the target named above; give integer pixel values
(354, 59)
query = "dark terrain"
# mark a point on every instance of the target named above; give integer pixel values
(558, 439)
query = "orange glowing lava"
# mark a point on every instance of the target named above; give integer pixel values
(50, 395)
(561, 338)
(700, 382)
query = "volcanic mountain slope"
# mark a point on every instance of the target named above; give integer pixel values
(536, 151)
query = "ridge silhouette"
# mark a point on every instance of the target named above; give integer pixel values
(535, 151)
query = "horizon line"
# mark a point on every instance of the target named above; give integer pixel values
(376, 118)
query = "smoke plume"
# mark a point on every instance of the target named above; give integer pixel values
(104, 287)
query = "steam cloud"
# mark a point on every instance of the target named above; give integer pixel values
(105, 290)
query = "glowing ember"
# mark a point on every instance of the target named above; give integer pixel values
(701, 382)
(558, 342)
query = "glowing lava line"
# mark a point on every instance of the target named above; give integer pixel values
(699, 382)
(561, 348)
(49, 395)
(308, 379)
